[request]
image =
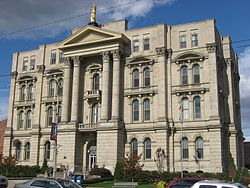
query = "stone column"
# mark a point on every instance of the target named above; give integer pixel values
(66, 90)
(105, 86)
(75, 89)
(116, 85)
(214, 98)
(161, 72)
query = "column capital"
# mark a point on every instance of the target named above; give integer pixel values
(105, 55)
(116, 54)
(66, 61)
(76, 60)
(211, 47)
(13, 74)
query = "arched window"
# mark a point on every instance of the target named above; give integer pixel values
(147, 148)
(27, 151)
(199, 148)
(134, 147)
(135, 110)
(31, 92)
(95, 113)
(23, 92)
(19, 150)
(60, 87)
(185, 108)
(146, 108)
(50, 115)
(29, 119)
(146, 74)
(196, 74)
(96, 82)
(184, 148)
(197, 107)
(52, 86)
(21, 120)
(59, 114)
(135, 77)
(184, 75)
(47, 150)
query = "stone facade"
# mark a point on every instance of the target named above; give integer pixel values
(2, 130)
(114, 90)
(247, 154)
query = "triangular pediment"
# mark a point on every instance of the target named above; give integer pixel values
(89, 35)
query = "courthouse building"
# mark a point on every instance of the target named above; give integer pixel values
(113, 90)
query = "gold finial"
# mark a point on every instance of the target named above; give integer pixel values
(93, 13)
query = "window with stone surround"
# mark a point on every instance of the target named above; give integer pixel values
(135, 78)
(184, 148)
(23, 93)
(146, 42)
(199, 148)
(135, 109)
(61, 56)
(59, 114)
(50, 115)
(31, 92)
(32, 62)
(194, 39)
(147, 148)
(53, 57)
(27, 151)
(196, 74)
(185, 108)
(21, 120)
(135, 44)
(47, 150)
(25, 63)
(197, 108)
(60, 87)
(96, 82)
(19, 151)
(134, 147)
(184, 75)
(95, 113)
(52, 86)
(183, 41)
(29, 119)
(146, 109)
(146, 75)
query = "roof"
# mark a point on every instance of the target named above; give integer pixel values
(3, 123)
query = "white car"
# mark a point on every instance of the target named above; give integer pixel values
(216, 184)
(3, 182)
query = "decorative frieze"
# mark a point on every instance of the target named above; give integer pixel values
(161, 51)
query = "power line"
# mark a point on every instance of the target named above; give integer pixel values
(65, 19)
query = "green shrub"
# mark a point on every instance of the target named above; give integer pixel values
(118, 174)
(245, 172)
(19, 171)
(161, 184)
(103, 172)
(98, 180)
(245, 180)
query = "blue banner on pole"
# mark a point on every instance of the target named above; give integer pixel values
(53, 133)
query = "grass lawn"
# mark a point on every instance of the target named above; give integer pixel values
(110, 184)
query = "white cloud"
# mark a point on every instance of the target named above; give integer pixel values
(16, 15)
(244, 66)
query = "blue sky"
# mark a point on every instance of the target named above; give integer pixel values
(232, 18)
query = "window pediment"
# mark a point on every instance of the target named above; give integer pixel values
(94, 67)
(139, 60)
(26, 78)
(189, 57)
(54, 72)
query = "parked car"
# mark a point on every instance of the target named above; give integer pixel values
(48, 183)
(183, 182)
(217, 184)
(3, 182)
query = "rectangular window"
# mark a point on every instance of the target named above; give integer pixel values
(53, 57)
(135, 43)
(61, 57)
(25, 63)
(183, 41)
(194, 38)
(32, 62)
(146, 42)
